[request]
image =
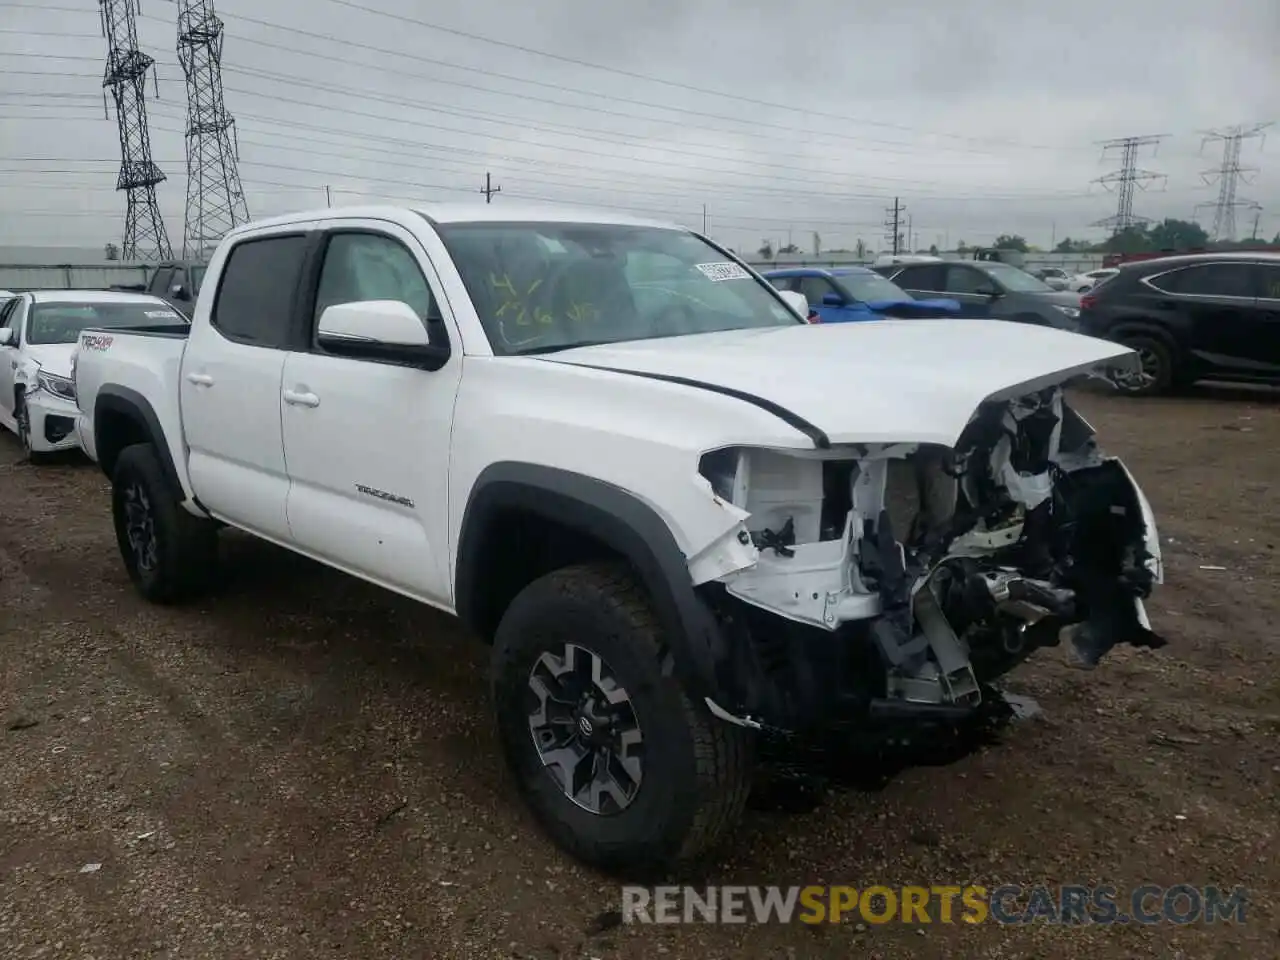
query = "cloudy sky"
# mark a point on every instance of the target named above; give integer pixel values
(780, 119)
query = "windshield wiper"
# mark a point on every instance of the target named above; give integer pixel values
(557, 347)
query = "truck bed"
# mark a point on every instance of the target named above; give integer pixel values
(146, 357)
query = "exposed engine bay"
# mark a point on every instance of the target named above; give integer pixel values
(1022, 536)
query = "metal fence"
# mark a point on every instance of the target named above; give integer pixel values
(70, 276)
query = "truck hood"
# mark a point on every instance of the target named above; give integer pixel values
(893, 381)
(54, 358)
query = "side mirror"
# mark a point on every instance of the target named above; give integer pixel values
(796, 301)
(6, 336)
(386, 330)
(832, 300)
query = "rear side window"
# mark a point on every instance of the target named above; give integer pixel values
(1269, 277)
(928, 277)
(1209, 280)
(257, 290)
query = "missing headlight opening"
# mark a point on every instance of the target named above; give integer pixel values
(903, 578)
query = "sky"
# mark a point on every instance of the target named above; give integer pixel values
(774, 121)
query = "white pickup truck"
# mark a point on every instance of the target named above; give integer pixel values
(626, 462)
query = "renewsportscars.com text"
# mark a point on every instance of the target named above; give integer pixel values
(946, 904)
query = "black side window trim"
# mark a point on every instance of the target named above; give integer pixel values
(1255, 284)
(292, 326)
(306, 320)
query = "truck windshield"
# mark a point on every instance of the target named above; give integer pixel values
(541, 287)
(62, 322)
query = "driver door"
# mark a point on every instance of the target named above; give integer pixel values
(366, 442)
(971, 288)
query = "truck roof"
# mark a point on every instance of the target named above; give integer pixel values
(461, 213)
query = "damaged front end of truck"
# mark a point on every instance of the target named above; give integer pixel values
(899, 580)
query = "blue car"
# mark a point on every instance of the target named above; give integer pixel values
(846, 294)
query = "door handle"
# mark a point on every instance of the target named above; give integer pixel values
(200, 379)
(303, 399)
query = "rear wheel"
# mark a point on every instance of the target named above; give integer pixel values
(1156, 372)
(618, 764)
(170, 554)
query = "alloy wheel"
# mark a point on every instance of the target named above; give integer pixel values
(140, 527)
(585, 729)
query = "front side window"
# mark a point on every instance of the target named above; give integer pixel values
(869, 287)
(257, 290)
(63, 322)
(1269, 274)
(540, 287)
(369, 266)
(967, 280)
(815, 288)
(1011, 278)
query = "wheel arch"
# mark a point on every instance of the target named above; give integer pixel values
(512, 503)
(122, 417)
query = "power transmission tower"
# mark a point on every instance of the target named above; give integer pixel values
(489, 189)
(1229, 175)
(892, 225)
(145, 237)
(1124, 180)
(215, 198)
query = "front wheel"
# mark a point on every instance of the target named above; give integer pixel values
(170, 554)
(618, 764)
(22, 416)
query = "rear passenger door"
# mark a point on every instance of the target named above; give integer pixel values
(230, 383)
(923, 281)
(367, 441)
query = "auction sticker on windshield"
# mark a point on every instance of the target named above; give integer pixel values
(722, 271)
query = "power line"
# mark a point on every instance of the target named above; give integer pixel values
(126, 74)
(1124, 180)
(215, 199)
(1229, 174)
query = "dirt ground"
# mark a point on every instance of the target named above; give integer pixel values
(303, 766)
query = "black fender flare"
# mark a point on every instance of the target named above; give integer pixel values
(130, 403)
(620, 521)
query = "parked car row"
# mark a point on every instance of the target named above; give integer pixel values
(630, 466)
(1190, 318)
(39, 332)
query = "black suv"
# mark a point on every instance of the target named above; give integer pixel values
(1200, 317)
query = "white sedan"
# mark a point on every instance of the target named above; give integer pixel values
(1084, 282)
(38, 333)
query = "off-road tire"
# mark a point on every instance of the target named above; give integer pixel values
(1165, 375)
(186, 546)
(697, 769)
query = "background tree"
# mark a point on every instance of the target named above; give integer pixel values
(962, 247)
(1172, 234)
(1008, 241)
(933, 249)
(861, 249)
(766, 251)
(111, 252)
